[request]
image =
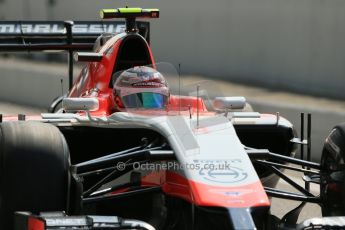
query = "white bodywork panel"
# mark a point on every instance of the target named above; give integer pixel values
(197, 147)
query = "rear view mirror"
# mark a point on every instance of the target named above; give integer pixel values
(80, 104)
(229, 103)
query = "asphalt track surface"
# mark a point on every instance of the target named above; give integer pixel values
(325, 114)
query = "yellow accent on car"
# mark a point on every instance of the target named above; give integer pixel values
(107, 11)
(129, 10)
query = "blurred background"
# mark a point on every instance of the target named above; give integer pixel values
(285, 56)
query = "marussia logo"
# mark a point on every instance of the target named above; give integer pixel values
(42, 28)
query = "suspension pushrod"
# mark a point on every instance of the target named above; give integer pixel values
(104, 180)
(291, 196)
(110, 176)
(264, 154)
(85, 166)
(113, 188)
(121, 195)
(97, 172)
(264, 162)
(109, 156)
(291, 182)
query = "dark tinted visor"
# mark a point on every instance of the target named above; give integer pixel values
(145, 100)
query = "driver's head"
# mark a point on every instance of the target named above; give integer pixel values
(141, 87)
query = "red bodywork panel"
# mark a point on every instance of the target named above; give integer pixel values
(95, 81)
(35, 224)
(201, 194)
(95, 78)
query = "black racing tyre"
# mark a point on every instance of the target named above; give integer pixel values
(34, 169)
(332, 188)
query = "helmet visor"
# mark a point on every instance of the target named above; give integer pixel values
(147, 100)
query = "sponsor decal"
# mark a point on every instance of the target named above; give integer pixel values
(58, 28)
(223, 171)
(218, 161)
(233, 193)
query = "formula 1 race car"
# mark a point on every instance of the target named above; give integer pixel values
(132, 146)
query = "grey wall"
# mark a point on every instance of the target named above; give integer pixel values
(290, 44)
(31, 84)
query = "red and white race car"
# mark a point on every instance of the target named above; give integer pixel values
(134, 145)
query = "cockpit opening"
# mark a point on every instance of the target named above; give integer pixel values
(133, 51)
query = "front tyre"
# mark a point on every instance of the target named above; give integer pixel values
(34, 169)
(332, 188)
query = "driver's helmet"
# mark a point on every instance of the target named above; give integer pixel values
(141, 87)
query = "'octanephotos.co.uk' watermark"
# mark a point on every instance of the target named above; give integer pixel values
(174, 166)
